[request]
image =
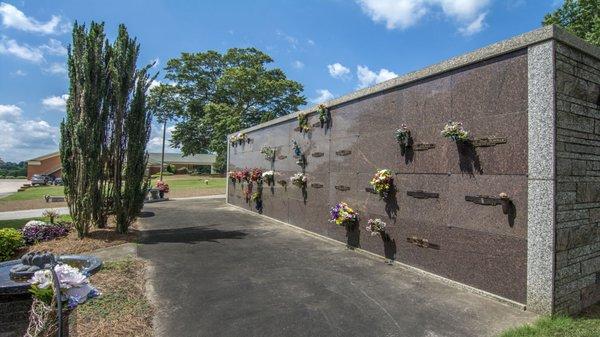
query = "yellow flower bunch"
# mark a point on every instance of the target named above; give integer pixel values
(382, 181)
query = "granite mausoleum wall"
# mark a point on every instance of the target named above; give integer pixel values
(577, 283)
(474, 244)
(532, 107)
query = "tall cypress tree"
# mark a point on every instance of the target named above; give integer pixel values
(82, 130)
(106, 129)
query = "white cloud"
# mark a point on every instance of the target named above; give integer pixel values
(474, 27)
(56, 68)
(298, 64)
(402, 14)
(24, 51)
(23, 139)
(323, 95)
(54, 47)
(18, 72)
(367, 77)
(337, 70)
(9, 112)
(155, 142)
(58, 103)
(12, 17)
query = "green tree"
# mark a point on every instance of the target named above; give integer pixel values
(106, 129)
(581, 17)
(215, 94)
(83, 129)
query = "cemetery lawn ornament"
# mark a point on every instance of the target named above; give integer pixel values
(455, 131)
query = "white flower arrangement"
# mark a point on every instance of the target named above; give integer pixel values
(269, 177)
(376, 226)
(238, 138)
(74, 285)
(455, 131)
(299, 179)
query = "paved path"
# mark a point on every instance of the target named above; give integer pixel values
(219, 271)
(30, 213)
(9, 186)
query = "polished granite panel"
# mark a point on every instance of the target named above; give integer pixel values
(429, 152)
(345, 118)
(487, 218)
(343, 187)
(317, 157)
(373, 202)
(423, 206)
(508, 156)
(494, 87)
(493, 263)
(385, 245)
(376, 150)
(379, 113)
(275, 202)
(344, 154)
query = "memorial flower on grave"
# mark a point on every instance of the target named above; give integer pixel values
(75, 288)
(403, 135)
(256, 175)
(268, 152)
(232, 176)
(243, 175)
(296, 148)
(376, 226)
(269, 177)
(299, 180)
(455, 131)
(342, 215)
(382, 182)
(162, 188)
(257, 198)
(323, 114)
(303, 123)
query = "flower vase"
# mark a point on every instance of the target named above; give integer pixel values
(161, 194)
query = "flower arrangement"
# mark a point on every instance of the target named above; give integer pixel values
(74, 286)
(455, 131)
(257, 198)
(403, 135)
(299, 180)
(162, 186)
(296, 148)
(303, 123)
(382, 182)
(36, 231)
(256, 175)
(268, 152)
(51, 214)
(232, 176)
(269, 177)
(376, 226)
(323, 114)
(342, 215)
(239, 138)
(248, 192)
(243, 175)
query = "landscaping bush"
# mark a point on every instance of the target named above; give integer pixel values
(10, 240)
(36, 231)
(21, 177)
(171, 168)
(182, 170)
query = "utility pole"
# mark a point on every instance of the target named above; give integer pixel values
(162, 157)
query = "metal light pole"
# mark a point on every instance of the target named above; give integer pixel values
(162, 157)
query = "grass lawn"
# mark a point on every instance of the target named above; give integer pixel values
(18, 223)
(585, 325)
(33, 193)
(122, 309)
(190, 186)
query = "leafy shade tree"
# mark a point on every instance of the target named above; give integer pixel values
(581, 17)
(106, 129)
(215, 94)
(83, 129)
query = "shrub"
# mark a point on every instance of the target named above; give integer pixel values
(36, 231)
(10, 240)
(171, 168)
(182, 170)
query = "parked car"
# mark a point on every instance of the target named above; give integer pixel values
(39, 179)
(57, 181)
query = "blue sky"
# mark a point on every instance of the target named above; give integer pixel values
(332, 47)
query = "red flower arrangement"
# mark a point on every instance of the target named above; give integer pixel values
(162, 186)
(256, 174)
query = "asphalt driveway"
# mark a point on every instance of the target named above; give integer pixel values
(220, 271)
